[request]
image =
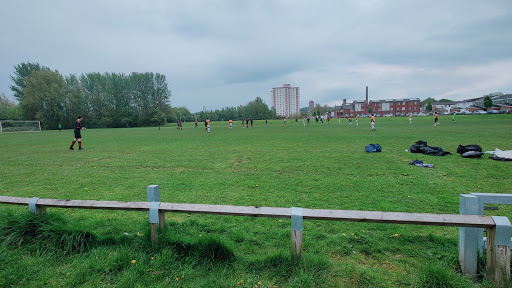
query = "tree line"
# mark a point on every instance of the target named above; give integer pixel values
(107, 100)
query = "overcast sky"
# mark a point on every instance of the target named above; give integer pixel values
(228, 52)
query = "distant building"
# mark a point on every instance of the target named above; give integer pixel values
(395, 107)
(285, 100)
(445, 106)
(311, 105)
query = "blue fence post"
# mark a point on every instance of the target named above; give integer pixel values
(468, 237)
(34, 208)
(297, 229)
(156, 217)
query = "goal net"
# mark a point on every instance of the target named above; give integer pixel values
(19, 126)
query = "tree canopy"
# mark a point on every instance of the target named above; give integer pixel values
(487, 102)
(106, 100)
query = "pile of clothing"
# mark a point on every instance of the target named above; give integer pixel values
(470, 151)
(421, 164)
(422, 147)
(500, 155)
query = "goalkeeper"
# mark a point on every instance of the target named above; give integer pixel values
(78, 135)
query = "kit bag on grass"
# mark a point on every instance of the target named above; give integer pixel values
(370, 148)
(470, 151)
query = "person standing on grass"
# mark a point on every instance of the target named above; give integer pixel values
(357, 120)
(453, 121)
(328, 120)
(60, 127)
(196, 122)
(230, 124)
(373, 123)
(78, 136)
(208, 125)
(410, 118)
(436, 119)
(304, 121)
(251, 122)
(349, 120)
(339, 120)
(285, 120)
(266, 121)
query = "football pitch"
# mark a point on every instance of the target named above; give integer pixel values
(321, 166)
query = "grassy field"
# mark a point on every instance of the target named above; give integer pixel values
(317, 166)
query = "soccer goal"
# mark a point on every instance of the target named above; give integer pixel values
(19, 126)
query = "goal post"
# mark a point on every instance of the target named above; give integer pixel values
(19, 126)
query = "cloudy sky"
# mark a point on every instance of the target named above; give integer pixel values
(223, 53)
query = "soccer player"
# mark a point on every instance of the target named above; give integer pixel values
(410, 118)
(349, 121)
(373, 123)
(196, 122)
(208, 125)
(357, 120)
(230, 124)
(304, 121)
(78, 135)
(453, 121)
(436, 119)
(60, 127)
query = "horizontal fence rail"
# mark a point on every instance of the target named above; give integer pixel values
(498, 256)
(454, 220)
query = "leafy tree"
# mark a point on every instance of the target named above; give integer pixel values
(445, 100)
(370, 110)
(429, 107)
(8, 109)
(21, 73)
(487, 102)
(428, 100)
(43, 98)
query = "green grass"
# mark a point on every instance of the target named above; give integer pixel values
(318, 166)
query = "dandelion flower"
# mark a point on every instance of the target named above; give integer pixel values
(343, 234)
(177, 279)
(134, 261)
(139, 234)
(152, 258)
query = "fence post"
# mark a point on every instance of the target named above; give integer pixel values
(498, 252)
(34, 208)
(156, 217)
(468, 237)
(297, 228)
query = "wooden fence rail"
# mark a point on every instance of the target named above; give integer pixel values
(497, 264)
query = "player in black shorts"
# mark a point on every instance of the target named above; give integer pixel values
(78, 135)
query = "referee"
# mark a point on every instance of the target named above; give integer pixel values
(78, 135)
